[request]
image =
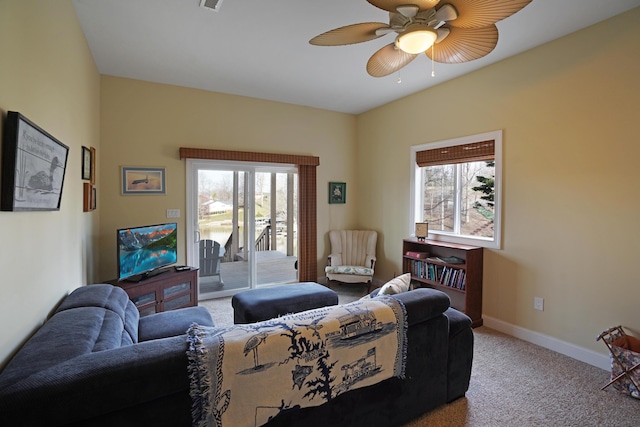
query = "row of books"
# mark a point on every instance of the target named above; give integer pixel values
(442, 274)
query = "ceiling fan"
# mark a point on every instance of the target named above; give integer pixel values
(447, 31)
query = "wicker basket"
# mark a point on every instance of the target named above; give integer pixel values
(624, 352)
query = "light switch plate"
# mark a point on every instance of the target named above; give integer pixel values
(173, 213)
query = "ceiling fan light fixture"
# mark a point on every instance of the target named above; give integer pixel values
(417, 38)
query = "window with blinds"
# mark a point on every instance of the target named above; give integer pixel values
(457, 188)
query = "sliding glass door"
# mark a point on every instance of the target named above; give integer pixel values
(242, 224)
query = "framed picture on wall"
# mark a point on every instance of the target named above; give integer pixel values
(87, 197)
(337, 192)
(143, 180)
(33, 166)
(86, 163)
(93, 165)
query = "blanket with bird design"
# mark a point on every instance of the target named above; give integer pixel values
(244, 375)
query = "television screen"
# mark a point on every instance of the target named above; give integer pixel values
(141, 250)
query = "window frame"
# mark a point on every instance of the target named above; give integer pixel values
(417, 194)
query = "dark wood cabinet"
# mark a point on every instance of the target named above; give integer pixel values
(168, 290)
(449, 267)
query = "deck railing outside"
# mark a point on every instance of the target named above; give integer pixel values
(263, 243)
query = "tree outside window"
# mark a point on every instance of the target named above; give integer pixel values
(457, 189)
(473, 214)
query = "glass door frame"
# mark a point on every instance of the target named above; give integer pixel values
(193, 166)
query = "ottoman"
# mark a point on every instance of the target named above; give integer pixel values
(256, 305)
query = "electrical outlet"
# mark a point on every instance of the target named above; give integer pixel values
(538, 303)
(173, 213)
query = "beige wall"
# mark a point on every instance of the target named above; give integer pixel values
(46, 73)
(144, 124)
(569, 112)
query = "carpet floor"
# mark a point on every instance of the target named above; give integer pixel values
(513, 383)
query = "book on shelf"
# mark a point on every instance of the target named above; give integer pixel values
(419, 255)
(453, 278)
(425, 270)
(447, 259)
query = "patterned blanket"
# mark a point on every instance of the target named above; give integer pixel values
(245, 375)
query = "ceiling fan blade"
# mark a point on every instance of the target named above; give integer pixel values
(464, 45)
(388, 60)
(446, 13)
(384, 31)
(481, 13)
(408, 10)
(443, 33)
(350, 34)
(392, 5)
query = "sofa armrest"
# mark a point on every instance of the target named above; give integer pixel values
(99, 383)
(423, 304)
(460, 357)
(172, 323)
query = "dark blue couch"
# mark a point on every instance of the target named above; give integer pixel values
(438, 370)
(96, 363)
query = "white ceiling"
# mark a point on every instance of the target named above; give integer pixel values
(260, 48)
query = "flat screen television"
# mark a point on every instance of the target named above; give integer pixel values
(143, 251)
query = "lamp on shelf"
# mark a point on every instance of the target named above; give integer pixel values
(422, 230)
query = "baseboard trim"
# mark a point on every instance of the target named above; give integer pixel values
(582, 354)
(576, 352)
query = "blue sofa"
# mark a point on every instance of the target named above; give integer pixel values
(95, 362)
(438, 371)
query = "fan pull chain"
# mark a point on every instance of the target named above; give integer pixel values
(433, 62)
(399, 78)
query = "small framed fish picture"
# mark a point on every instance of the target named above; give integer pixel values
(143, 180)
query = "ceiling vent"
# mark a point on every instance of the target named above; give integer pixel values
(211, 4)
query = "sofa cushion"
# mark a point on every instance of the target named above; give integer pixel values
(396, 285)
(172, 323)
(67, 334)
(125, 386)
(108, 297)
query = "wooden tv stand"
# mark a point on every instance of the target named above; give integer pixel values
(165, 291)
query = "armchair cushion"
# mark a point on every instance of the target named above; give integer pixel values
(349, 269)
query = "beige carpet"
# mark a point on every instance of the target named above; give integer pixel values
(514, 383)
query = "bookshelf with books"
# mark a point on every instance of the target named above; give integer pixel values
(449, 267)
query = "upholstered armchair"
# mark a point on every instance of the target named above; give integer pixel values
(353, 256)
